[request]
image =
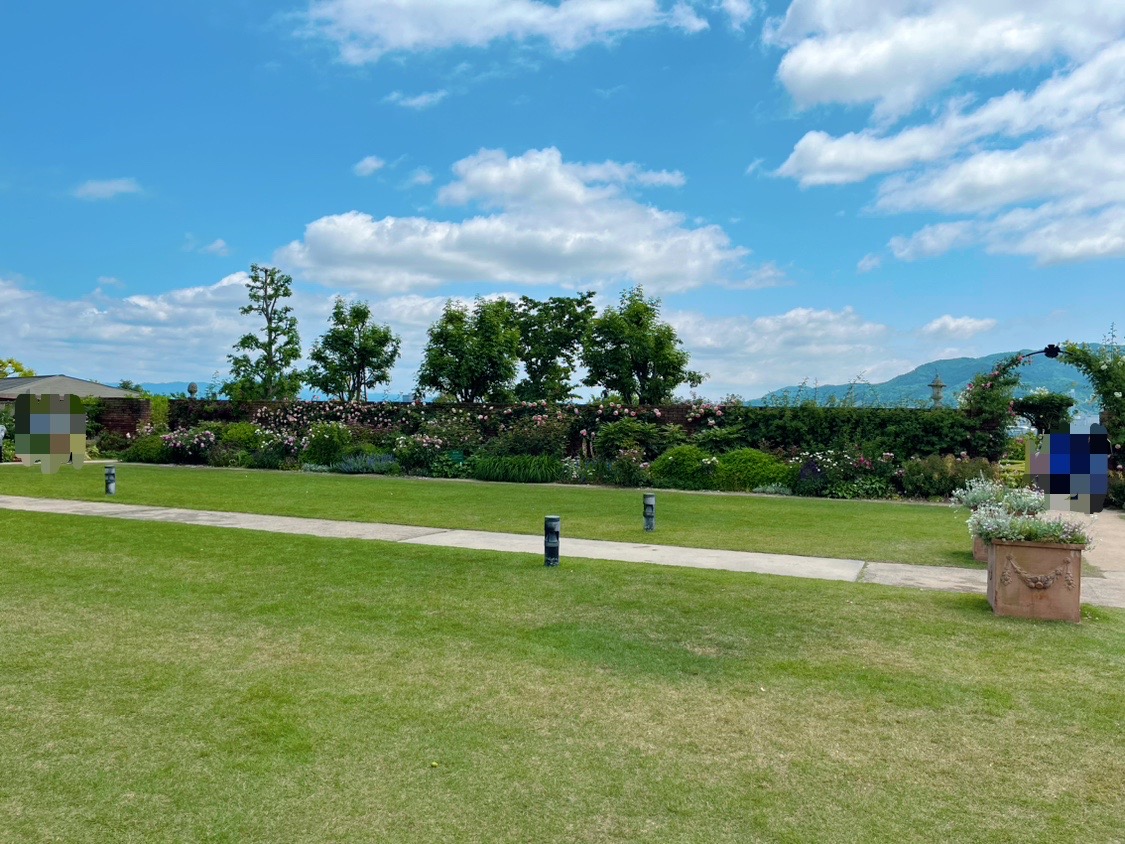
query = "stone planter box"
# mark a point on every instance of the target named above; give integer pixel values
(1035, 580)
(980, 550)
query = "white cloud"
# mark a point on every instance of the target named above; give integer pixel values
(1038, 172)
(540, 220)
(368, 165)
(869, 262)
(932, 240)
(106, 188)
(216, 247)
(895, 53)
(418, 101)
(960, 327)
(420, 176)
(366, 30)
(750, 356)
(740, 12)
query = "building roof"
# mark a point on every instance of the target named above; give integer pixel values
(40, 385)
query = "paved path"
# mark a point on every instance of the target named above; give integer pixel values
(1108, 591)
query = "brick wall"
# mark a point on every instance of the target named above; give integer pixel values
(122, 416)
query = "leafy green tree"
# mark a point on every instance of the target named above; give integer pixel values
(551, 334)
(472, 355)
(627, 350)
(12, 368)
(267, 376)
(1104, 366)
(353, 355)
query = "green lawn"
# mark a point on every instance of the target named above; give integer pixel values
(887, 531)
(171, 683)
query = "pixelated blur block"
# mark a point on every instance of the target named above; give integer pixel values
(1072, 468)
(51, 431)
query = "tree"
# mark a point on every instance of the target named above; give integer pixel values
(267, 376)
(12, 368)
(628, 351)
(551, 334)
(353, 355)
(472, 355)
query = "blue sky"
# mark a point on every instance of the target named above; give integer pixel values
(816, 190)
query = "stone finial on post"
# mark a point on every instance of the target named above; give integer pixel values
(111, 480)
(551, 534)
(650, 511)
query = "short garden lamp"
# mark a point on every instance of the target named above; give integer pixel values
(650, 511)
(936, 386)
(551, 534)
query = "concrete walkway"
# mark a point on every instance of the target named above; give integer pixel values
(1106, 591)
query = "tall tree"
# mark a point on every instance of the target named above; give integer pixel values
(472, 355)
(12, 368)
(268, 375)
(354, 354)
(551, 333)
(628, 351)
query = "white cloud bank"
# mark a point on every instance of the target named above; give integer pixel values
(1037, 172)
(186, 334)
(961, 328)
(540, 220)
(368, 165)
(364, 31)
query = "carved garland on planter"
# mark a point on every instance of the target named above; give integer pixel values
(1037, 581)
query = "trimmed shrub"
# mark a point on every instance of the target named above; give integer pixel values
(241, 436)
(938, 477)
(684, 467)
(523, 469)
(746, 468)
(327, 442)
(869, 487)
(147, 449)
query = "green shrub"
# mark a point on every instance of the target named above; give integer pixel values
(524, 468)
(228, 456)
(938, 477)
(241, 436)
(720, 440)
(1116, 495)
(628, 468)
(159, 417)
(327, 442)
(111, 442)
(684, 467)
(543, 436)
(626, 434)
(147, 449)
(746, 468)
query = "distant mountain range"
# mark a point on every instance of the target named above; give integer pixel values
(912, 388)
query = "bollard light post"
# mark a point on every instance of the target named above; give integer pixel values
(111, 480)
(551, 533)
(650, 511)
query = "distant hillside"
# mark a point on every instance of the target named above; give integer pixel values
(911, 390)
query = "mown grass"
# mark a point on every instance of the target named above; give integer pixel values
(863, 530)
(170, 683)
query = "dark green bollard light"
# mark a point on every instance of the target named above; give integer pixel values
(111, 480)
(650, 511)
(551, 533)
